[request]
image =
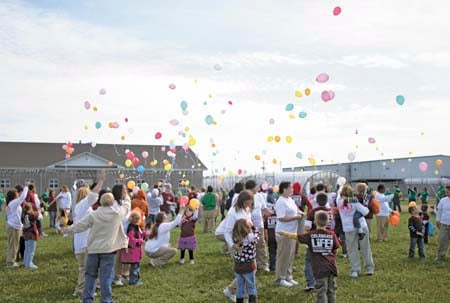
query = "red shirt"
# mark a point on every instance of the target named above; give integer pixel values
(312, 213)
(322, 244)
(167, 197)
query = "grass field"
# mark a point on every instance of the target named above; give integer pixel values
(396, 278)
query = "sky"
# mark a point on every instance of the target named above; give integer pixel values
(56, 55)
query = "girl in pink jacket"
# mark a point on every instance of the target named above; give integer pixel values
(133, 254)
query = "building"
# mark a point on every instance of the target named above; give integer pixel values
(402, 171)
(45, 164)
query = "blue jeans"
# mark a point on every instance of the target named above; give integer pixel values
(103, 263)
(412, 247)
(308, 270)
(134, 273)
(52, 219)
(30, 248)
(245, 281)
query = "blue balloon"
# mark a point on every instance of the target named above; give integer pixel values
(98, 125)
(400, 100)
(302, 115)
(289, 107)
(140, 169)
(209, 119)
(184, 105)
(299, 155)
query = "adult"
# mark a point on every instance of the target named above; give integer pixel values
(443, 223)
(64, 199)
(14, 223)
(347, 206)
(222, 202)
(288, 215)
(396, 199)
(259, 208)
(412, 193)
(424, 196)
(106, 237)
(169, 204)
(139, 203)
(192, 193)
(52, 207)
(154, 205)
(158, 247)
(85, 199)
(209, 202)
(383, 215)
(241, 210)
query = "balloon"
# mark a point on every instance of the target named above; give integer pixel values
(174, 122)
(158, 136)
(102, 91)
(321, 78)
(289, 139)
(312, 161)
(327, 95)
(436, 172)
(183, 201)
(110, 164)
(135, 190)
(191, 141)
(439, 162)
(302, 115)
(122, 138)
(98, 125)
(395, 213)
(269, 139)
(275, 189)
(423, 166)
(299, 155)
(115, 125)
(172, 86)
(351, 157)
(93, 144)
(230, 102)
(289, 107)
(400, 100)
(135, 161)
(271, 121)
(291, 116)
(217, 67)
(144, 186)
(167, 167)
(86, 127)
(126, 120)
(209, 119)
(394, 220)
(277, 138)
(131, 184)
(371, 140)
(337, 11)
(257, 157)
(140, 169)
(144, 154)
(87, 105)
(341, 181)
(95, 108)
(412, 204)
(274, 161)
(128, 163)
(307, 91)
(130, 155)
(194, 203)
(187, 182)
(165, 161)
(184, 105)
(239, 171)
(298, 93)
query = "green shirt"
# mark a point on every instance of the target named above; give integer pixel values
(2, 199)
(412, 195)
(424, 197)
(209, 201)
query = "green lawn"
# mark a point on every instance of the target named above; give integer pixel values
(396, 278)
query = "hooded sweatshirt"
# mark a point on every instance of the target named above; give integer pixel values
(154, 202)
(107, 234)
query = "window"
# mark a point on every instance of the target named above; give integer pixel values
(5, 183)
(30, 181)
(118, 181)
(139, 182)
(53, 183)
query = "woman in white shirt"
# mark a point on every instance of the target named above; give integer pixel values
(64, 199)
(158, 246)
(348, 205)
(288, 216)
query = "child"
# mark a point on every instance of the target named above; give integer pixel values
(30, 234)
(270, 223)
(187, 236)
(416, 232)
(322, 244)
(133, 254)
(61, 222)
(245, 239)
(426, 222)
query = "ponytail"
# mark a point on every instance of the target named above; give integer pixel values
(154, 230)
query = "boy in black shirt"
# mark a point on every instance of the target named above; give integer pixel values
(416, 233)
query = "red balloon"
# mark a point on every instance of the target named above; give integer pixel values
(337, 11)
(130, 155)
(158, 136)
(184, 200)
(135, 161)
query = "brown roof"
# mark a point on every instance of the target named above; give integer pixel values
(42, 155)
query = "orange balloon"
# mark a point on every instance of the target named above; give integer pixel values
(277, 138)
(394, 220)
(396, 213)
(438, 162)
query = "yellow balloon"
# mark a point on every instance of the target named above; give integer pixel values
(131, 184)
(165, 161)
(192, 141)
(393, 161)
(274, 161)
(439, 162)
(194, 203)
(307, 91)
(257, 157)
(86, 127)
(289, 139)
(277, 138)
(436, 172)
(269, 139)
(95, 108)
(298, 94)
(275, 188)
(122, 138)
(291, 116)
(167, 167)
(312, 161)
(186, 129)
(128, 163)
(230, 173)
(187, 182)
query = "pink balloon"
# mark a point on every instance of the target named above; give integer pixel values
(423, 166)
(174, 122)
(183, 201)
(145, 154)
(158, 136)
(115, 125)
(230, 102)
(172, 86)
(87, 105)
(185, 146)
(126, 120)
(239, 171)
(323, 77)
(337, 11)
(327, 95)
(372, 140)
(135, 190)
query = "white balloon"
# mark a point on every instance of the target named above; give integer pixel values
(351, 157)
(341, 181)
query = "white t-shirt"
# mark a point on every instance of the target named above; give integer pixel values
(232, 217)
(81, 209)
(384, 200)
(443, 211)
(258, 206)
(220, 230)
(285, 207)
(234, 199)
(163, 238)
(64, 199)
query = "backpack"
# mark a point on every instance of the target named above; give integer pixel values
(430, 229)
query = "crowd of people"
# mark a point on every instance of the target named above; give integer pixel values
(261, 227)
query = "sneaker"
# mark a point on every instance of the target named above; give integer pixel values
(192, 261)
(44, 235)
(118, 282)
(181, 261)
(285, 283)
(369, 273)
(152, 263)
(32, 266)
(293, 282)
(78, 294)
(344, 256)
(227, 292)
(138, 283)
(15, 264)
(354, 274)
(309, 288)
